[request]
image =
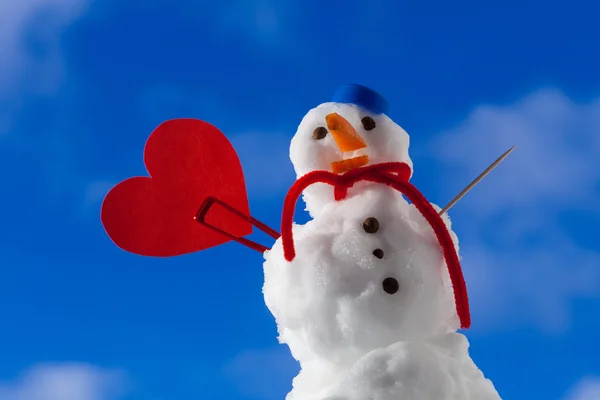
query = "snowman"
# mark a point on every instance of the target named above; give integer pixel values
(369, 294)
(363, 294)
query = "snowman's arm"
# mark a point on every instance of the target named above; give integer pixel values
(211, 201)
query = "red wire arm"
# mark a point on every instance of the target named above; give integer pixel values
(395, 175)
(210, 201)
(445, 240)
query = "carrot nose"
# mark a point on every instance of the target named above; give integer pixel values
(344, 134)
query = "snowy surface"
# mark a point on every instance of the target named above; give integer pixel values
(387, 142)
(436, 369)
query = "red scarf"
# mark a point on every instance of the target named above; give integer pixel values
(395, 175)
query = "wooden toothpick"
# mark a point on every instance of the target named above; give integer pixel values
(476, 181)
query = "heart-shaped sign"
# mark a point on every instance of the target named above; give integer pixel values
(188, 160)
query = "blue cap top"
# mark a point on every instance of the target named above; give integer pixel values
(361, 96)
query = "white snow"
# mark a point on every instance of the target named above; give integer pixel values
(437, 369)
(354, 339)
(350, 336)
(387, 142)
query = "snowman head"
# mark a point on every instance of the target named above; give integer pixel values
(351, 131)
(369, 272)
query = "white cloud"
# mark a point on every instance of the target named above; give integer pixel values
(93, 196)
(264, 374)
(264, 21)
(522, 263)
(65, 382)
(557, 143)
(32, 60)
(586, 389)
(266, 163)
(95, 192)
(33, 73)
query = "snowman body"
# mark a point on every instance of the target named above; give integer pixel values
(438, 368)
(367, 307)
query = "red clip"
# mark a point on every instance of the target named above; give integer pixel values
(210, 201)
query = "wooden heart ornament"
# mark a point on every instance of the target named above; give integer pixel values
(188, 161)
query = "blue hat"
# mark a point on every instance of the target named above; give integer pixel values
(361, 96)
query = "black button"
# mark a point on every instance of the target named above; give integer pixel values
(390, 285)
(371, 225)
(378, 253)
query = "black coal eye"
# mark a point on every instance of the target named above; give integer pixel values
(368, 123)
(319, 133)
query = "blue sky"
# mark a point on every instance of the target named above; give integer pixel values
(83, 83)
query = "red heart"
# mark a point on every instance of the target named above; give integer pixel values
(188, 160)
